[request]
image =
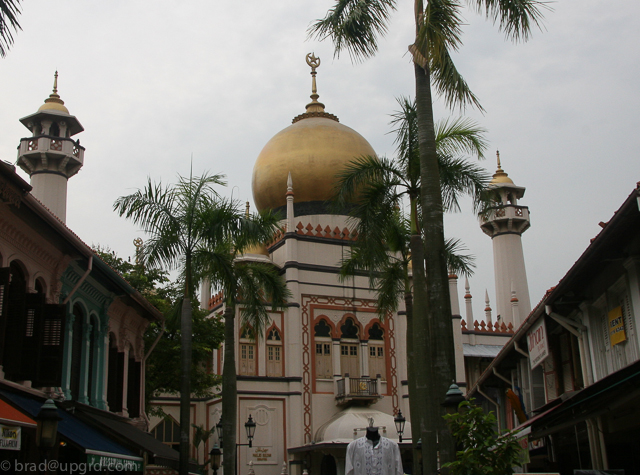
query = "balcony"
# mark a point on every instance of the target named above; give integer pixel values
(358, 389)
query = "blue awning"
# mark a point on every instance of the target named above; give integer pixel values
(76, 431)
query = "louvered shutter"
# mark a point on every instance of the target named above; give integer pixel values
(5, 275)
(50, 346)
(32, 329)
(14, 333)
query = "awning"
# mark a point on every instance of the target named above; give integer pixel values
(11, 416)
(481, 351)
(100, 449)
(159, 453)
(603, 396)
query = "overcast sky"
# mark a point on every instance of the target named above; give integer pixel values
(156, 83)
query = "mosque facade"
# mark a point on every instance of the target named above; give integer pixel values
(328, 364)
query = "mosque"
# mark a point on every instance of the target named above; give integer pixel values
(328, 364)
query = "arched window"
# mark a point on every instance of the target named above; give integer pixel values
(94, 352)
(133, 385)
(376, 352)
(274, 352)
(349, 348)
(323, 362)
(247, 351)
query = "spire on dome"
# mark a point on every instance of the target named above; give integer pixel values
(314, 108)
(500, 176)
(53, 101)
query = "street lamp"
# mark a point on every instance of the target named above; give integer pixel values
(219, 430)
(399, 420)
(250, 427)
(47, 429)
(215, 454)
(453, 398)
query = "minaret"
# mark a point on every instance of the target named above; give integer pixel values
(505, 222)
(50, 156)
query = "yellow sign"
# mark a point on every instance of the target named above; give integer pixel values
(616, 326)
(9, 437)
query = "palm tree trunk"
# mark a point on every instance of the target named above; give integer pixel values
(229, 391)
(185, 384)
(437, 340)
(414, 407)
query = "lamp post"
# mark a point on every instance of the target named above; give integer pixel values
(219, 431)
(399, 421)
(453, 398)
(47, 428)
(250, 427)
(215, 454)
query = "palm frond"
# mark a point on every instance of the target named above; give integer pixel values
(355, 26)
(514, 17)
(460, 136)
(390, 287)
(9, 11)
(448, 81)
(460, 177)
(457, 262)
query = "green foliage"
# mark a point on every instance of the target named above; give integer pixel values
(482, 451)
(9, 10)
(163, 366)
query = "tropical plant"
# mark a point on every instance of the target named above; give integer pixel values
(8, 21)
(355, 26)
(255, 287)
(183, 221)
(481, 450)
(384, 240)
(162, 368)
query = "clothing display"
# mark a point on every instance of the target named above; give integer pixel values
(371, 457)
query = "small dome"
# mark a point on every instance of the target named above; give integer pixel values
(340, 428)
(500, 176)
(53, 102)
(315, 148)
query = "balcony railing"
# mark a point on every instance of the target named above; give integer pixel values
(47, 143)
(367, 389)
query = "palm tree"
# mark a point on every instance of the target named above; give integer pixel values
(384, 243)
(8, 21)
(182, 221)
(255, 286)
(355, 25)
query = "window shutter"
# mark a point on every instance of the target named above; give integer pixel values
(50, 345)
(14, 333)
(5, 275)
(32, 329)
(133, 388)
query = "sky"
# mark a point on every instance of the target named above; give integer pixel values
(162, 86)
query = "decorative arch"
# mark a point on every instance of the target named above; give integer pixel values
(274, 351)
(40, 285)
(350, 328)
(371, 325)
(247, 348)
(323, 320)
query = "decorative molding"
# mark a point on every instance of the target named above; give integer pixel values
(27, 246)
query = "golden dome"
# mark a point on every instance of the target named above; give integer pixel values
(53, 102)
(500, 176)
(314, 149)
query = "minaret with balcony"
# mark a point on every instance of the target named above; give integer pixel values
(50, 156)
(505, 222)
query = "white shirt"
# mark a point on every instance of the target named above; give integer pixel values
(365, 458)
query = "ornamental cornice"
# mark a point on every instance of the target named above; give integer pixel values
(10, 194)
(27, 246)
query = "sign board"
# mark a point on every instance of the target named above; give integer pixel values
(616, 326)
(538, 343)
(101, 462)
(10, 437)
(263, 455)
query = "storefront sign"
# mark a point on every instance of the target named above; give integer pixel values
(538, 345)
(616, 326)
(113, 462)
(9, 437)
